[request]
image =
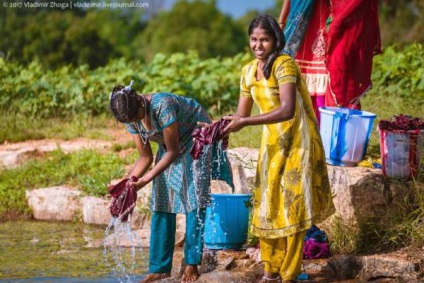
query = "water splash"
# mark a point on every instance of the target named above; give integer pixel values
(122, 250)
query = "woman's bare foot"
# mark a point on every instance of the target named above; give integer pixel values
(155, 277)
(271, 278)
(190, 274)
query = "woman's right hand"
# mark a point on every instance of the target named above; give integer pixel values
(139, 184)
(235, 125)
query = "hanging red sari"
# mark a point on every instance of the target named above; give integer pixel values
(353, 39)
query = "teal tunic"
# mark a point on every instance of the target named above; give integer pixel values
(185, 185)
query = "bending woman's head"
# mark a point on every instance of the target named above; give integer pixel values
(272, 29)
(125, 104)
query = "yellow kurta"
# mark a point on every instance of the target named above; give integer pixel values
(292, 189)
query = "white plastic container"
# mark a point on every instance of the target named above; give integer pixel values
(345, 134)
(401, 152)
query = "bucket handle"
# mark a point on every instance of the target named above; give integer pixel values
(351, 108)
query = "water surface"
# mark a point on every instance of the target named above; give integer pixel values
(34, 251)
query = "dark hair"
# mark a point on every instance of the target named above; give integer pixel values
(270, 25)
(124, 103)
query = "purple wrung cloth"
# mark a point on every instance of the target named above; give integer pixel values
(316, 244)
(314, 249)
(208, 135)
(124, 199)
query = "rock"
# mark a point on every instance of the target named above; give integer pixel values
(364, 195)
(218, 267)
(95, 211)
(55, 203)
(390, 266)
(12, 155)
(243, 165)
(220, 187)
(371, 267)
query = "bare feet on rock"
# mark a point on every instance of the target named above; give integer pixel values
(190, 274)
(155, 277)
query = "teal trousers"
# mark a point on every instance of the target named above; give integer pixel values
(162, 240)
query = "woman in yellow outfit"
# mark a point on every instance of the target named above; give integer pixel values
(292, 188)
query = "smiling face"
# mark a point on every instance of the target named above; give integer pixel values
(261, 43)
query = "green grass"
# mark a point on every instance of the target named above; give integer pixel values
(17, 128)
(402, 227)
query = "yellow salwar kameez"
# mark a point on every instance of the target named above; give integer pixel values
(292, 189)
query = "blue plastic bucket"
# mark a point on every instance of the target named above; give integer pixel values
(345, 134)
(226, 221)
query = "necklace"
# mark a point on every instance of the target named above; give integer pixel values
(142, 132)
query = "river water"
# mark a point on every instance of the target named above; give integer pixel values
(55, 252)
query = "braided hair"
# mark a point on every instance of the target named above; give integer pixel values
(124, 103)
(270, 25)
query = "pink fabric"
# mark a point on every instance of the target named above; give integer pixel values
(317, 102)
(124, 199)
(208, 135)
(353, 38)
(314, 249)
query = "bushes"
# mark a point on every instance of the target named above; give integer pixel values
(32, 90)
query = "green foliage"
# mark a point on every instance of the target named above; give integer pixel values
(213, 82)
(35, 92)
(407, 227)
(192, 25)
(401, 22)
(400, 72)
(86, 169)
(57, 38)
(398, 85)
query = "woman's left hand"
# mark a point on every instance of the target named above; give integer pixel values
(139, 184)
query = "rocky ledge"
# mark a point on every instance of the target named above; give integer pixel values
(361, 195)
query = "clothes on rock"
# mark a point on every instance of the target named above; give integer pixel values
(316, 244)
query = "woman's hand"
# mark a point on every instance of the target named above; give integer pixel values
(139, 184)
(203, 125)
(114, 182)
(235, 125)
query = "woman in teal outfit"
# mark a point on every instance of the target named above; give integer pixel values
(169, 120)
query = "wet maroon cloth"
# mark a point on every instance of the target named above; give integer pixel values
(124, 198)
(208, 135)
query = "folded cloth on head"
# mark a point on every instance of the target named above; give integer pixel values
(208, 135)
(124, 198)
